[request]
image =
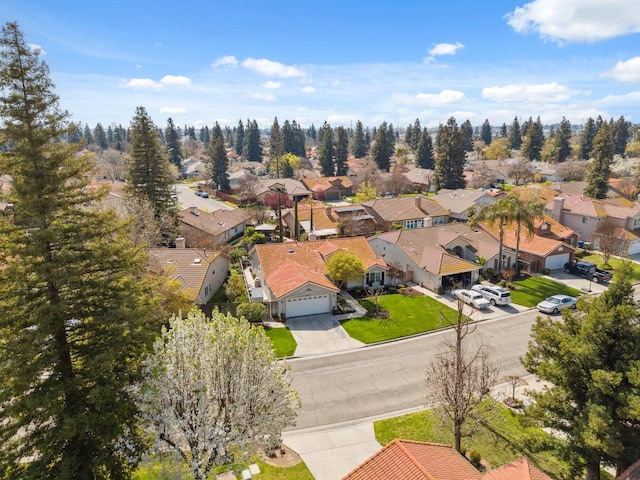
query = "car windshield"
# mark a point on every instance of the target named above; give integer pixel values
(555, 300)
(476, 295)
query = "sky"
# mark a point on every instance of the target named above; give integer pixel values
(201, 62)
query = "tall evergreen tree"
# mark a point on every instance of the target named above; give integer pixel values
(380, 151)
(252, 149)
(467, 136)
(621, 133)
(88, 135)
(149, 174)
(533, 141)
(450, 160)
(408, 136)
(239, 138)
(100, 136)
(485, 132)
(424, 155)
(276, 141)
(600, 168)
(312, 132)
(172, 140)
(325, 151)
(77, 313)
(586, 141)
(218, 162)
(358, 142)
(563, 140)
(503, 130)
(341, 151)
(515, 136)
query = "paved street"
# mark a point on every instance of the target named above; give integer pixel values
(187, 198)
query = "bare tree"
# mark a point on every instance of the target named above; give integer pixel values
(610, 239)
(521, 169)
(482, 176)
(396, 183)
(145, 228)
(459, 380)
(573, 171)
(248, 187)
(514, 381)
(111, 164)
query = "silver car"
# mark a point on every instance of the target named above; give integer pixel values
(555, 303)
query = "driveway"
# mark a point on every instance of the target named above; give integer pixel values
(320, 334)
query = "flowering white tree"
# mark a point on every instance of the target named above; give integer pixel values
(214, 387)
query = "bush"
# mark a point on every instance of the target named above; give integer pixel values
(489, 272)
(253, 312)
(237, 253)
(546, 271)
(476, 459)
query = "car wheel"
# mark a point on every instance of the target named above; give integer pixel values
(595, 279)
(573, 307)
(493, 302)
(555, 310)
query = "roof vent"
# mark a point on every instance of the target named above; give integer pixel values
(291, 250)
(196, 261)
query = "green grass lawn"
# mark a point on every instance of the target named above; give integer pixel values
(408, 316)
(615, 264)
(499, 440)
(282, 340)
(532, 290)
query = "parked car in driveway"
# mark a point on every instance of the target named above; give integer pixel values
(471, 297)
(495, 294)
(555, 303)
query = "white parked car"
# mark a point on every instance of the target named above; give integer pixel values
(496, 295)
(471, 297)
(555, 303)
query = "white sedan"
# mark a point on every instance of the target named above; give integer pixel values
(555, 303)
(471, 297)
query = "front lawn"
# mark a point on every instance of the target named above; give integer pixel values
(499, 439)
(615, 264)
(532, 290)
(282, 340)
(407, 316)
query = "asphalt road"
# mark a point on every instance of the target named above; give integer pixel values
(382, 380)
(188, 198)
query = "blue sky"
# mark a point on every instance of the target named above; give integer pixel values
(200, 62)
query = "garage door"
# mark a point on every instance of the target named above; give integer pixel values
(634, 247)
(310, 305)
(556, 262)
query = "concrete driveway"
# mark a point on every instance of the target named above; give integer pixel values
(320, 335)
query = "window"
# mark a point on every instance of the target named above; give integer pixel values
(415, 223)
(438, 221)
(636, 222)
(585, 219)
(375, 278)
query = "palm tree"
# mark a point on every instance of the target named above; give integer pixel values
(524, 214)
(501, 212)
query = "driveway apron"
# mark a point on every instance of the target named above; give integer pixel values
(320, 334)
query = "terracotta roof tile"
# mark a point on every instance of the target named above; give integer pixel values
(521, 469)
(536, 244)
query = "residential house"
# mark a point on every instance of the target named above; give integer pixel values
(583, 215)
(212, 229)
(294, 189)
(322, 221)
(461, 202)
(407, 459)
(329, 188)
(421, 179)
(192, 168)
(293, 276)
(200, 272)
(406, 212)
(438, 257)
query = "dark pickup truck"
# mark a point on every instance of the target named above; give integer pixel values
(587, 270)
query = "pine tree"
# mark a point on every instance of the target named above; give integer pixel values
(515, 136)
(467, 136)
(100, 136)
(533, 141)
(417, 130)
(358, 142)
(276, 141)
(239, 138)
(252, 149)
(77, 313)
(173, 143)
(149, 174)
(586, 143)
(503, 130)
(218, 162)
(621, 134)
(408, 136)
(424, 155)
(381, 149)
(600, 168)
(563, 140)
(450, 161)
(341, 151)
(325, 151)
(88, 136)
(485, 133)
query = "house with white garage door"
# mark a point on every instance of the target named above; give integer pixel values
(293, 275)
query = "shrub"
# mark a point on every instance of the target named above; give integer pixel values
(476, 459)
(489, 272)
(546, 271)
(237, 253)
(253, 312)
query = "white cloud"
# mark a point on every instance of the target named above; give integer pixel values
(308, 89)
(143, 84)
(445, 97)
(524, 92)
(172, 110)
(176, 80)
(268, 97)
(631, 98)
(271, 68)
(627, 71)
(444, 49)
(577, 20)
(34, 47)
(272, 85)
(226, 61)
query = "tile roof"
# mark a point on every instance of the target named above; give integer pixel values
(292, 187)
(325, 183)
(187, 265)
(290, 265)
(521, 469)
(589, 207)
(409, 460)
(406, 208)
(457, 201)
(216, 222)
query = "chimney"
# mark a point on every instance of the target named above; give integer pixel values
(428, 222)
(558, 205)
(181, 242)
(327, 210)
(419, 202)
